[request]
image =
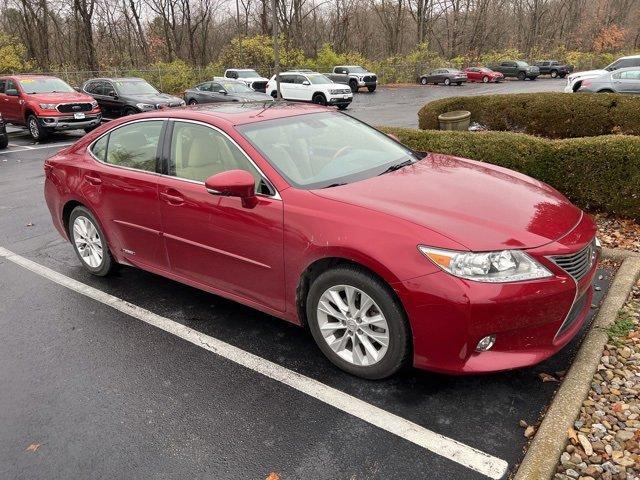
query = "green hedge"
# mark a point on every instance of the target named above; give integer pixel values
(551, 115)
(596, 173)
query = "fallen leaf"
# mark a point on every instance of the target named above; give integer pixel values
(545, 377)
(33, 447)
(571, 433)
(273, 476)
(30, 224)
(530, 431)
(523, 424)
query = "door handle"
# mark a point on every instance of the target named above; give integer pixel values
(93, 180)
(172, 199)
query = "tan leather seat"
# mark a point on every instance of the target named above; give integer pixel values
(207, 155)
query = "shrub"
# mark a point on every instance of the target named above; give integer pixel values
(597, 173)
(551, 115)
(13, 56)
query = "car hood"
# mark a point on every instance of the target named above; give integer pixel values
(65, 97)
(255, 97)
(153, 98)
(587, 73)
(479, 206)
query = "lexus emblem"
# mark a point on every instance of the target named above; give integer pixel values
(76, 107)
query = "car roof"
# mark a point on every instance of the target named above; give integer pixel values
(628, 57)
(25, 76)
(291, 72)
(238, 113)
(118, 79)
(242, 69)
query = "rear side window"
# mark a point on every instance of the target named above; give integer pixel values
(99, 148)
(1, 86)
(133, 146)
(631, 75)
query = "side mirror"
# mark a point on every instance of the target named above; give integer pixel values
(12, 92)
(112, 93)
(234, 183)
(306, 82)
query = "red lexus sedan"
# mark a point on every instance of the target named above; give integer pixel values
(483, 74)
(389, 256)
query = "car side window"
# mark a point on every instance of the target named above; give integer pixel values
(204, 87)
(134, 145)
(99, 148)
(631, 75)
(1, 86)
(11, 85)
(299, 79)
(216, 87)
(198, 151)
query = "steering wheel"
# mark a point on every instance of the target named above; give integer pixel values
(341, 152)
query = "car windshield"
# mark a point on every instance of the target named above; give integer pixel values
(358, 70)
(135, 87)
(522, 64)
(326, 149)
(247, 74)
(233, 87)
(318, 79)
(44, 85)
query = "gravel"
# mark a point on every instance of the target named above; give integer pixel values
(604, 441)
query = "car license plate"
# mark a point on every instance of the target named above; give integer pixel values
(345, 96)
(78, 116)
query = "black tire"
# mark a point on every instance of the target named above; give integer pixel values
(90, 129)
(606, 90)
(485, 79)
(423, 80)
(343, 106)
(4, 142)
(274, 94)
(129, 111)
(319, 99)
(562, 75)
(447, 82)
(522, 76)
(37, 132)
(193, 101)
(458, 83)
(353, 85)
(533, 78)
(398, 350)
(554, 74)
(108, 264)
(371, 88)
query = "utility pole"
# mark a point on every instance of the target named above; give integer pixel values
(276, 49)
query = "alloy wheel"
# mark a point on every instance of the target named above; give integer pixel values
(353, 325)
(87, 241)
(33, 128)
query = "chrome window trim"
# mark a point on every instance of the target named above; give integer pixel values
(275, 196)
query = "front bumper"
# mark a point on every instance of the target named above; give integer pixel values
(340, 100)
(449, 315)
(68, 122)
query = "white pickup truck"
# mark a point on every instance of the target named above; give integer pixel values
(250, 77)
(308, 86)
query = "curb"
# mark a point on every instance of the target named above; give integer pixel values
(543, 455)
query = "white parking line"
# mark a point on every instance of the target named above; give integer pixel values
(465, 455)
(26, 148)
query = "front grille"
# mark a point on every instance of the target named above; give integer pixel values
(74, 107)
(573, 315)
(577, 264)
(259, 86)
(369, 78)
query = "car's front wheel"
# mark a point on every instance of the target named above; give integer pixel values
(193, 101)
(353, 85)
(371, 88)
(319, 99)
(423, 81)
(37, 131)
(447, 82)
(485, 79)
(357, 323)
(89, 242)
(554, 74)
(522, 76)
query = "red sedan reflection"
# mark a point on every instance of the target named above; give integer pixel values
(389, 256)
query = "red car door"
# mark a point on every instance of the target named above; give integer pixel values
(11, 106)
(473, 75)
(214, 240)
(121, 185)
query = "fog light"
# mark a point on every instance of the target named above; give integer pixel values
(486, 343)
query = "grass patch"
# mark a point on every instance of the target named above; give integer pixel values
(623, 325)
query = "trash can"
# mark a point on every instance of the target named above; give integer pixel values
(458, 120)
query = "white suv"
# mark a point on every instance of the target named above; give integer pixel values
(574, 81)
(310, 86)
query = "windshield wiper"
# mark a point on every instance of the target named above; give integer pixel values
(334, 185)
(397, 166)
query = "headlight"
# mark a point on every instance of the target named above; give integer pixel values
(494, 267)
(94, 104)
(48, 106)
(145, 106)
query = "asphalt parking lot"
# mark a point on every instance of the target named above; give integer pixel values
(148, 384)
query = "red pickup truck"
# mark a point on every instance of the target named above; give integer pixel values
(46, 104)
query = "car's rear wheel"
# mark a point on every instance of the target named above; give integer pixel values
(89, 242)
(606, 90)
(4, 142)
(423, 80)
(129, 111)
(447, 82)
(37, 131)
(319, 99)
(554, 73)
(193, 101)
(353, 85)
(485, 79)
(343, 107)
(458, 83)
(357, 323)
(522, 75)
(371, 88)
